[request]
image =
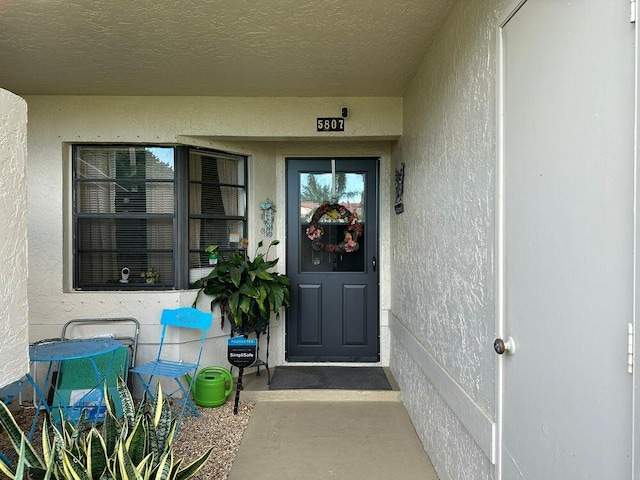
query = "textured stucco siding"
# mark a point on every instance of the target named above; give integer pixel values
(450, 447)
(238, 125)
(13, 239)
(446, 238)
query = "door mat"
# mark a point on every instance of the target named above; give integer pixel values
(332, 378)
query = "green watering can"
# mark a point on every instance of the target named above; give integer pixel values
(210, 388)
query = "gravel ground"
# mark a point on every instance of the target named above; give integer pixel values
(216, 427)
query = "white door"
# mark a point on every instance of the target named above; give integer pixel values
(568, 178)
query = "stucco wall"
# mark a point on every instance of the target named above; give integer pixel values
(443, 314)
(13, 239)
(240, 125)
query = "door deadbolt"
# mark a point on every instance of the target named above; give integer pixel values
(500, 346)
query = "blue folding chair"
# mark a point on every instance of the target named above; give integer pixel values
(9, 392)
(171, 369)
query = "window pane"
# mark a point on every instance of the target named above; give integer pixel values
(212, 168)
(224, 233)
(104, 270)
(108, 245)
(315, 189)
(125, 197)
(125, 212)
(317, 255)
(121, 191)
(96, 234)
(216, 200)
(98, 162)
(216, 195)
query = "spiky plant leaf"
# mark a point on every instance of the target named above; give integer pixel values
(162, 421)
(128, 407)
(46, 440)
(31, 458)
(145, 467)
(73, 467)
(157, 407)
(194, 467)
(52, 467)
(110, 432)
(153, 446)
(172, 434)
(137, 442)
(127, 468)
(76, 430)
(21, 458)
(96, 454)
(6, 469)
(58, 442)
(108, 398)
(163, 471)
(52, 454)
(176, 468)
(108, 475)
(236, 275)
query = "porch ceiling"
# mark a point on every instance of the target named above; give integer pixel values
(214, 47)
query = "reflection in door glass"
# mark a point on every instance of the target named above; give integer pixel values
(332, 239)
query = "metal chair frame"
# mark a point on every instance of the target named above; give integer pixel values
(131, 342)
(171, 369)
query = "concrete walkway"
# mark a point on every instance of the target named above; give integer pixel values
(352, 436)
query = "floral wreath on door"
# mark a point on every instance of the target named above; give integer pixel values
(335, 211)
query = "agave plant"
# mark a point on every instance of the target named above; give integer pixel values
(138, 446)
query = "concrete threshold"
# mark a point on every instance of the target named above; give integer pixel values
(321, 396)
(255, 389)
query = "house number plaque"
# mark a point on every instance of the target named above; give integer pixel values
(330, 124)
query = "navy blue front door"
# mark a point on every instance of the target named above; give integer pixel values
(332, 250)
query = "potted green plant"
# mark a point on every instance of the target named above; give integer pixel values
(150, 275)
(247, 290)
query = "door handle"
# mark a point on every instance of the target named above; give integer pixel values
(373, 263)
(500, 346)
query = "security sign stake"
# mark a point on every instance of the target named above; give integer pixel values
(241, 353)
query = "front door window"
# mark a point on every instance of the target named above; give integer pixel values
(332, 231)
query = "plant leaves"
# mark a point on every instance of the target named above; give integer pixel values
(127, 468)
(236, 275)
(73, 467)
(164, 466)
(137, 442)
(96, 454)
(128, 407)
(193, 468)
(110, 432)
(32, 459)
(21, 458)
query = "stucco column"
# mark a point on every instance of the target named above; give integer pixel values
(13, 239)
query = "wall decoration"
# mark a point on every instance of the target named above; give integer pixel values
(334, 211)
(268, 211)
(399, 205)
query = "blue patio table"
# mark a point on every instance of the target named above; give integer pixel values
(57, 351)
